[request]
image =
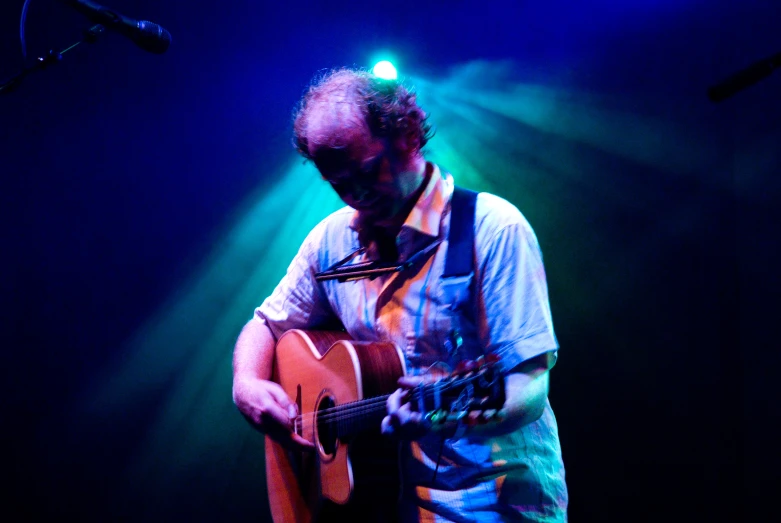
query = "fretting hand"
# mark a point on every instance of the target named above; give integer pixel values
(402, 422)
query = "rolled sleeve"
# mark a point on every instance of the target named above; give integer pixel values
(298, 301)
(514, 293)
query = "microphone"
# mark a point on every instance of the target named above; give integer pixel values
(744, 78)
(147, 35)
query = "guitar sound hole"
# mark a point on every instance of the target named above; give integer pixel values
(326, 426)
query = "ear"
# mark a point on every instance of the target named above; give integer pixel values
(408, 143)
(413, 140)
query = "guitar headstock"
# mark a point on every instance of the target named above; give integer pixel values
(472, 394)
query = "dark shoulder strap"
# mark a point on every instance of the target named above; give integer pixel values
(461, 238)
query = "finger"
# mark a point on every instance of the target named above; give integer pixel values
(282, 399)
(394, 401)
(410, 382)
(271, 411)
(405, 415)
(303, 444)
(416, 418)
(400, 419)
(416, 426)
(289, 440)
(386, 427)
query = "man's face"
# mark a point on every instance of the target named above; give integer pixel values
(369, 174)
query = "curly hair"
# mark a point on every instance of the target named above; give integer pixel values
(388, 108)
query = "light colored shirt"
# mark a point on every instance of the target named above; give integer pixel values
(515, 477)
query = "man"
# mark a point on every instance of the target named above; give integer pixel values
(365, 136)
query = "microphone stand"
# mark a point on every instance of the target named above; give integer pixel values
(744, 78)
(52, 57)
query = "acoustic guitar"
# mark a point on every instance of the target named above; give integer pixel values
(341, 387)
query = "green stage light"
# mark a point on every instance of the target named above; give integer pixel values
(385, 70)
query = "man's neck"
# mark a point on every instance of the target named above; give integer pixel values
(392, 225)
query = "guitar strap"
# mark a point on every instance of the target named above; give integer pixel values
(459, 259)
(458, 276)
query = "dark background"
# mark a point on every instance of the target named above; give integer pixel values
(124, 174)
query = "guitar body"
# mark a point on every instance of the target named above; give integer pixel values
(320, 371)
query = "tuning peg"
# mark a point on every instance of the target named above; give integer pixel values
(475, 418)
(436, 417)
(491, 358)
(491, 414)
(468, 366)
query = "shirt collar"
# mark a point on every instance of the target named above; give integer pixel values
(426, 216)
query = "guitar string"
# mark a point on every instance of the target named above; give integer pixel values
(352, 409)
(358, 408)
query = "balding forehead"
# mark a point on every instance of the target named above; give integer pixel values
(334, 122)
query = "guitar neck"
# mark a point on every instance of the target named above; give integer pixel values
(456, 393)
(350, 419)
